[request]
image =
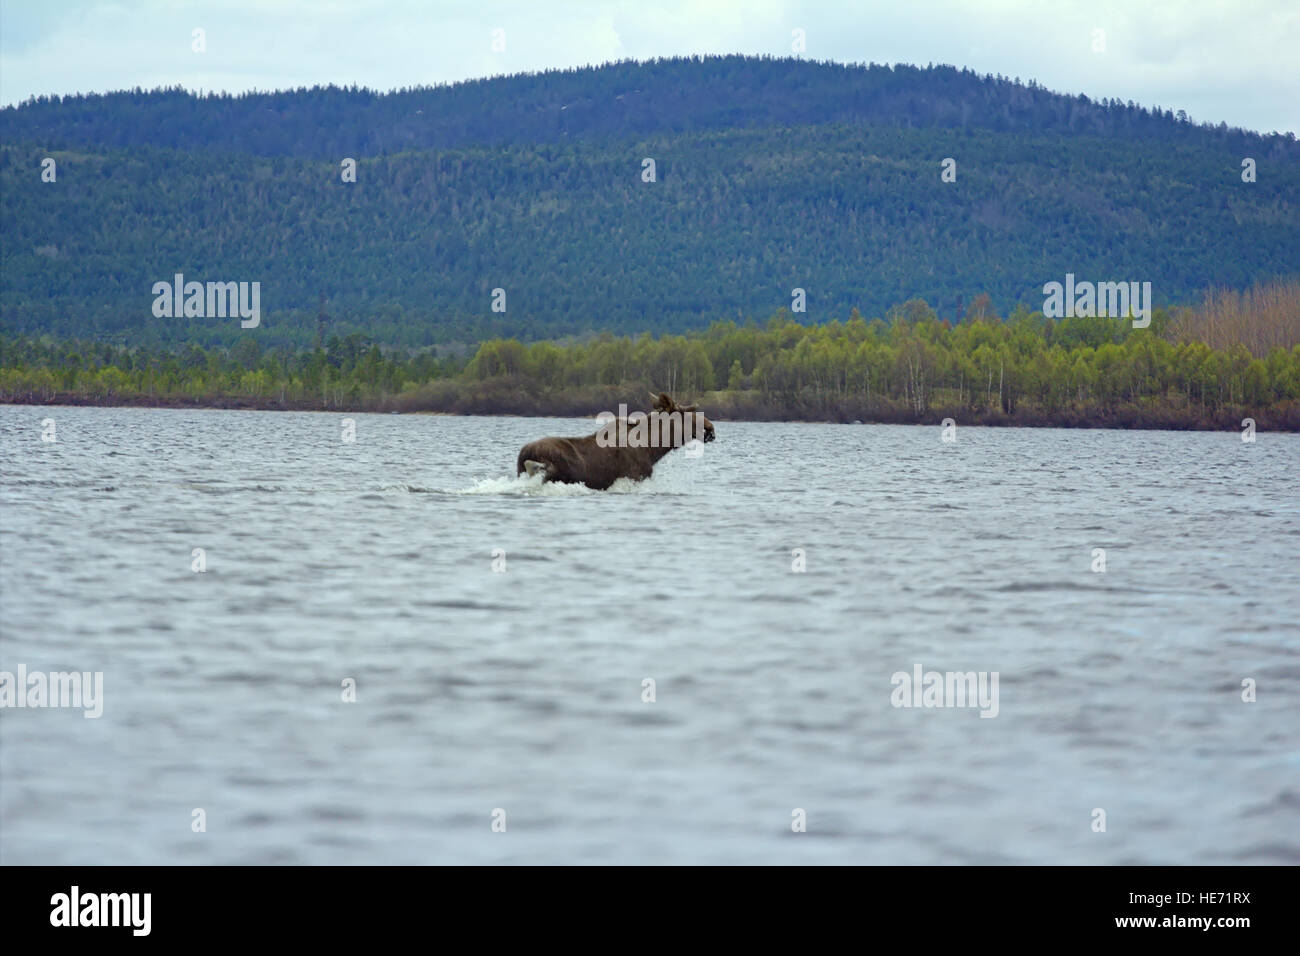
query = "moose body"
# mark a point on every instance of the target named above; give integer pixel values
(619, 449)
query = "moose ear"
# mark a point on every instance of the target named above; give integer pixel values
(663, 402)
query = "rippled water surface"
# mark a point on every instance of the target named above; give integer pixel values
(522, 689)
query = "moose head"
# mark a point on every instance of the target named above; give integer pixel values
(693, 423)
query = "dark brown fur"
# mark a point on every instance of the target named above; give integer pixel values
(586, 461)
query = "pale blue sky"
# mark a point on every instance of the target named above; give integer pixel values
(1221, 61)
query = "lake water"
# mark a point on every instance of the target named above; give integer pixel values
(521, 689)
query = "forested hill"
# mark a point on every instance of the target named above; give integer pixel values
(621, 100)
(770, 175)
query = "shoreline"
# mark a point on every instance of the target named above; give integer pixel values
(730, 408)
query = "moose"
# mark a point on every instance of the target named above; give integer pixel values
(625, 447)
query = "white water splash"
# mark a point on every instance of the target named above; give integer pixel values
(537, 486)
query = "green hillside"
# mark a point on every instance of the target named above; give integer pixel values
(850, 208)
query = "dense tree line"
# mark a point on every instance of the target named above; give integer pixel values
(908, 366)
(409, 254)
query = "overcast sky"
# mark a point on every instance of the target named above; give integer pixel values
(1232, 61)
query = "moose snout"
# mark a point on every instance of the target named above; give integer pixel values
(708, 435)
